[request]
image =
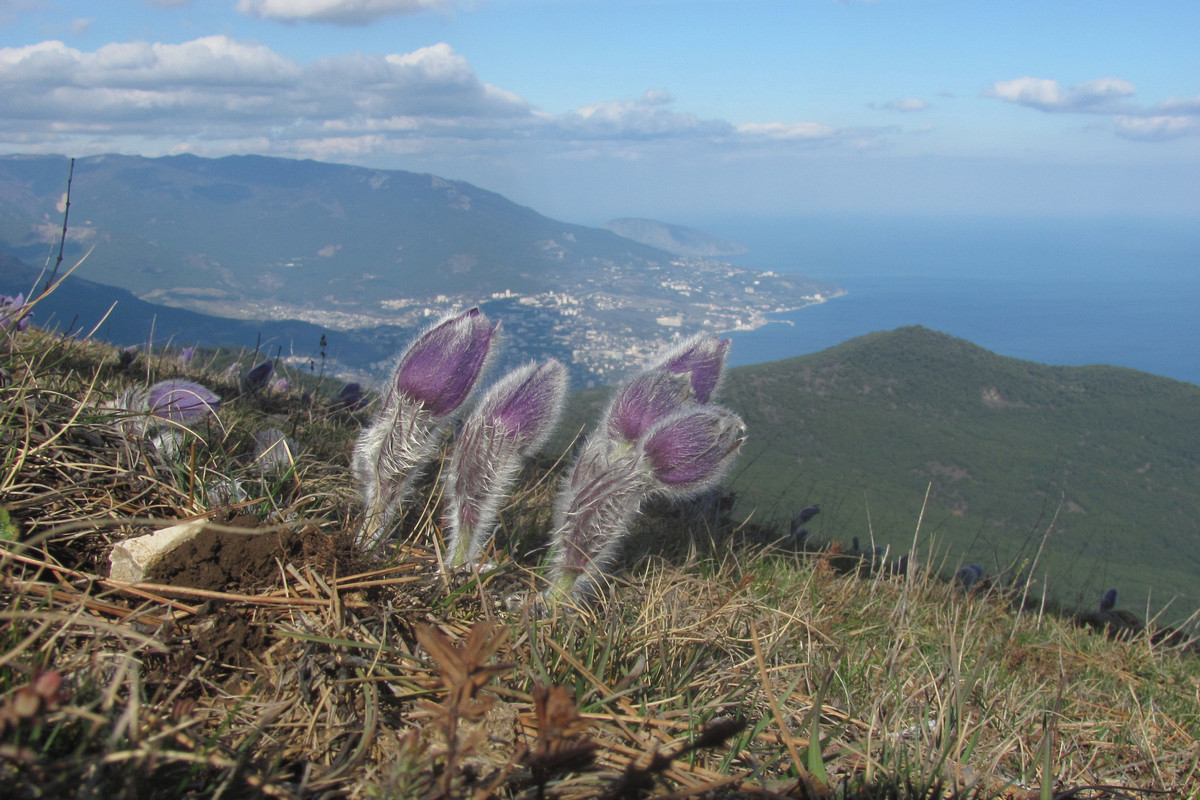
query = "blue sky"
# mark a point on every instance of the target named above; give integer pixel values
(675, 109)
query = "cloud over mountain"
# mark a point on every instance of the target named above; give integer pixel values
(217, 95)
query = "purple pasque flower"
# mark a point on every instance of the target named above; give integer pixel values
(682, 454)
(512, 420)
(351, 397)
(180, 401)
(432, 378)
(186, 354)
(14, 313)
(440, 368)
(642, 402)
(691, 449)
(257, 378)
(702, 359)
(280, 385)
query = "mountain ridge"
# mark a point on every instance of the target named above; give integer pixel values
(372, 253)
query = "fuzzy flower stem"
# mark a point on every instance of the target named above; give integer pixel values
(510, 423)
(598, 501)
(430, 381)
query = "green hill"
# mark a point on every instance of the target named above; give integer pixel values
(1105, 458)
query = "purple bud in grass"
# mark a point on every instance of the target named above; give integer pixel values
(127, 355)
(440, 368)
(180, 401)
(432, 378)
(702, 359)
(691, 450)
(513, 419)
(186, 355)
(13, 313)
(642, 402)
(280, 385)
(1109, 601)
(258, 378)
(351, 397)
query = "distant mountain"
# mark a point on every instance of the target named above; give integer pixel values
(1105, 458)
(210, 231)
(675, 239)
(372, 255)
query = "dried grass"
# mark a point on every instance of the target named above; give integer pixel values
(721, 672)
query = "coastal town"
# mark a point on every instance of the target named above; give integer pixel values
(600, 323)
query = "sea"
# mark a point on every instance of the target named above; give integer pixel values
(1062, 291)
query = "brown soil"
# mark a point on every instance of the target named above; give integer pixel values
(217, 559)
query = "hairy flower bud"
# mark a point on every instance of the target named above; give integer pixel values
(257, 378)
(180, 401)
(702, 359)
(440, 368)
(691, 450)
(432, 378)
(510, 423)
(641, 403)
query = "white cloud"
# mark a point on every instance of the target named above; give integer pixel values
(907, 104)
(644, 117)
(337, 12)
(1157, 129)
(217, 95)
(1172, 119)
(788, 130)
(1097, 96)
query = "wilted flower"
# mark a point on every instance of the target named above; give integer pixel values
(702, 360)
(180, 401)
(432, 378)
(512, 420)
(257, 378)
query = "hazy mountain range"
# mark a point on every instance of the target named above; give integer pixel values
(368, 254)
(677, 239)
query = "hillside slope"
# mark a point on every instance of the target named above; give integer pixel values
(1106, 458)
